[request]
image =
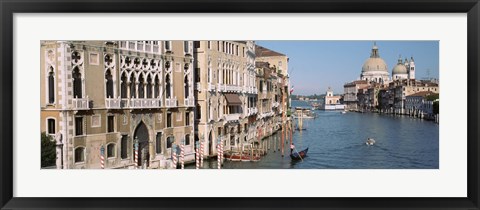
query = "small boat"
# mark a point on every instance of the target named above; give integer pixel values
(299, 155)
(245, 157)
(370, 142)
(344, 112)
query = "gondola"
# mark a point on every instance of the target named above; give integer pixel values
(299, 155)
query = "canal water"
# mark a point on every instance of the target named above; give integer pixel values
(337, 141)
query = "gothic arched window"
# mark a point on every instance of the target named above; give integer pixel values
(156, 87)
(187, 92)
(124, 86)
(132, 87)
(168, 86)
(51, 86)
(77, 83)
(109, 84)
(149, 87)
(141, 88)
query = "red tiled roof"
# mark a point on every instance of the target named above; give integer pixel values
(265, 52)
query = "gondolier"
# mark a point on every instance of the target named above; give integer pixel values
(292, 147)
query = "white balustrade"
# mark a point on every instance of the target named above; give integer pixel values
(80, 103)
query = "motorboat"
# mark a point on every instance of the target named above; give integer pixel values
(370, 142)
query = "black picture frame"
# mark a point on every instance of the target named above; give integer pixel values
(10, 7)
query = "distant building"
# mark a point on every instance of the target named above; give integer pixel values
(350, 98)
(375, 69)
(332, 102)
(416, 104)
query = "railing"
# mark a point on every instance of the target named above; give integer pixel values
(232, 117)
(211, 87)
(148, 47)
(221, 88)
(112, 103)
(190, 101)
(171, 102)
(140, 103)
(198, 86)
(80, 103)
(139, 46)
(233, 88)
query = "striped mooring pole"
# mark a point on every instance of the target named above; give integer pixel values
(182, 154)
(174, 156)
(136, 153)
(102, 157)
(197, 156)
(218, 154)
(201, 153)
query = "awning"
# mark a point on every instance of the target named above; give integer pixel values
(233, 99)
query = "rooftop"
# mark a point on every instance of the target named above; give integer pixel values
(265, 52)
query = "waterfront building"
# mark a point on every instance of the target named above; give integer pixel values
(350, 97)
(418, 105)
(375, 69)
(273, 83)
(332, 102)
(113, 95)
(225, 93)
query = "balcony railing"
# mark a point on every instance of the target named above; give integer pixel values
(211, 87)
(190, 101)
(140, 46)
(221, 87)
(171, 102)
(113, 103)
(80, 103)
(198, 86)
(232, 117)
(140, 103)
(275, 104)
(233, 88)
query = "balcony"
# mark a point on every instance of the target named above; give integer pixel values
(189, 102)
(140, 103)
(211, 87)
(221, 88)
(233, 88)
(113, 103)
(171, 102)
(232, 117)
(275, 104)
(80, 103)
(198, 86)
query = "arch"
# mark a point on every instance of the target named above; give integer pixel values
(77, 83)
(79, 154)
(51, 85)
(149, 86)
(168, 86)
(141, 86)
(142, 135)
(133, 92)
(156, 87)
(124, 85)
(210, 143)
(187, 87)
(109, 84)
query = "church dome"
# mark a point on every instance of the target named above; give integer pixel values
(400, 68)
(374, 64)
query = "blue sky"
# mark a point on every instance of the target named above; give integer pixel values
(316, 65)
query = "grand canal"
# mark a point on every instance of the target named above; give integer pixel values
(337, 141)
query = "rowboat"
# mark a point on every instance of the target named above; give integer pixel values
(299, 155)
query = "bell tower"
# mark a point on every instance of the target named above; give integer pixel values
(411, 69)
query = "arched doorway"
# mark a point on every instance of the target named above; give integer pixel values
(210, 144)
(141, 133)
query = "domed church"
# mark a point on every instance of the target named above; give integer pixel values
(375, 69)
(404, 70)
